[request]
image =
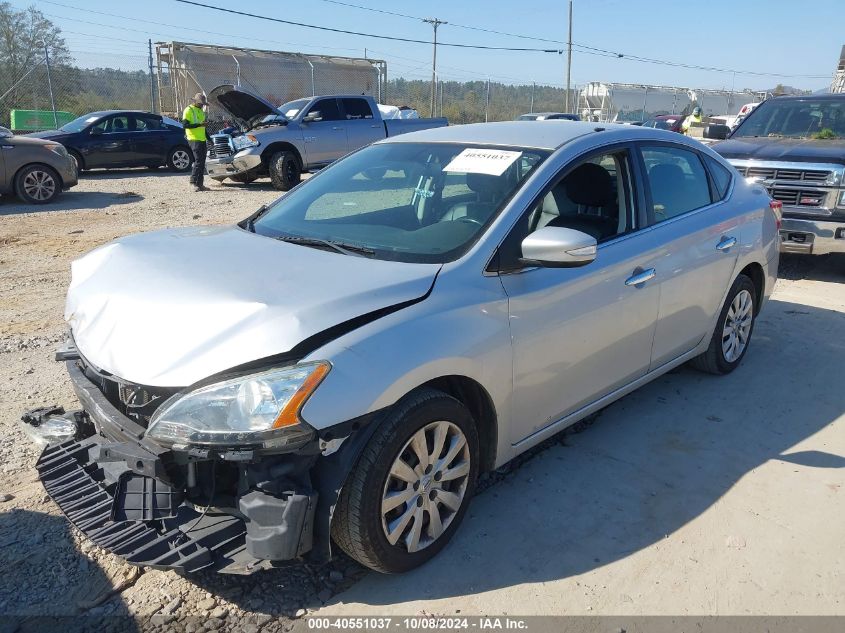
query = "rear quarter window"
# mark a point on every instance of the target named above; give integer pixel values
(721, 178)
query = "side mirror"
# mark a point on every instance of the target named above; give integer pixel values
(717, 132)
(558, 247)
(96, 131)
(313, 117)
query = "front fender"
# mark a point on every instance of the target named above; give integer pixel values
(460, 329)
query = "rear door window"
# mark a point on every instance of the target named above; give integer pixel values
(676, 179)
(357, 109)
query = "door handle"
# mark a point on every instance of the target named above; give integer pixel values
(639, 278)
(726, 243)
(337, 128)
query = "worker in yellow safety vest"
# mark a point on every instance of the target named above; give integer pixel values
(193, 120)
(695, 117)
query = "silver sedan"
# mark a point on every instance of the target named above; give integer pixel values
(341, 366)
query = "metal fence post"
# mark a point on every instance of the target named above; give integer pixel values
(50, 87)
(487, 103)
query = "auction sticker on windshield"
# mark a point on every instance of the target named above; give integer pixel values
(492, 162)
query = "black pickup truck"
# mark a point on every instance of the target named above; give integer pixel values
(795, 148)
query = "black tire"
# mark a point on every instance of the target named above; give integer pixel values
(245, 178)
(77, 158)
(285, 172)
(176, 158)
(357, 525)
(37, 184)
(714, 361)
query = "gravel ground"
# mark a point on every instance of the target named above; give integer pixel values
(48, 568)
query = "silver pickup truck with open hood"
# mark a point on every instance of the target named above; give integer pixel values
(299, 136)
(342, 365)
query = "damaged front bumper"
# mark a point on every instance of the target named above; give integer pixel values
(235, 512)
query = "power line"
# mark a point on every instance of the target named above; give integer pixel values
(360, 34)
(585, 48)
(181, 27)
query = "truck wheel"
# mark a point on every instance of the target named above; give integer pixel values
(244, 178)
(180, 158)
(284, 170)
(37, 184)
(733, 330)
(407, 494)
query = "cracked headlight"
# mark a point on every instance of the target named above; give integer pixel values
(258, 410)
(245, 141)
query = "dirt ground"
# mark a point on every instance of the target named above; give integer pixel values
(694, 495)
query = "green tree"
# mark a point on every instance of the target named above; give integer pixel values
(24, 34)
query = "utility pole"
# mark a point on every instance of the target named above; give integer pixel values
(50, 86)
(569, 57)
(435, 23)
(533, 87)
(152, 81)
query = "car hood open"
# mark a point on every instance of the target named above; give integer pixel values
(172, 307)
(242, 105)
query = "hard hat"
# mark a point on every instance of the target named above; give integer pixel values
(696, 110)
(200, 98)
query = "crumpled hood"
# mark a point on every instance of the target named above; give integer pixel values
(783, 149)
(172, 307)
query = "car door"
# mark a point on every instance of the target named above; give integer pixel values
(109, 142)
(149, 140)
(5, 147)
(698, 241)
(580, 333)
(362, 128)
(325, 138)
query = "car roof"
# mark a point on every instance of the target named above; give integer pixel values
(535, 134)
(102, 113)
(824, 97)
(663, 117)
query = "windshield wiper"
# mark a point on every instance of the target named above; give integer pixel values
(340, 247)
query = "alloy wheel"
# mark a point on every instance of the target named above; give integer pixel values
(39, 185)
(180, 159)
(426, 486)
(737, 326)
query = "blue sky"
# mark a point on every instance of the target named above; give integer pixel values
(750, 35)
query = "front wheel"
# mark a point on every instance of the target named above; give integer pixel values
(37, 184)
(733, 330)
(285, 171)
(407, 494)
(180, 158)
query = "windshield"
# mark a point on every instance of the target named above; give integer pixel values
(411, 202)
(77, 125)
(804, 118)
(528, 117)
(292, 108)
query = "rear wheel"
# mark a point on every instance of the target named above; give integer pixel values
(410, 489)
(733, 330)
(285, 171)
(180, 158)
(37, 184)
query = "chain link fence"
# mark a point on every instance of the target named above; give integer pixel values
(45, 96)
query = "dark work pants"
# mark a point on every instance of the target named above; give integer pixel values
(198, 170)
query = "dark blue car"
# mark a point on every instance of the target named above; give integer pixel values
(120, 138)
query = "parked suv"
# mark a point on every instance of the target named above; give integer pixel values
(34, 170)
(342, 365)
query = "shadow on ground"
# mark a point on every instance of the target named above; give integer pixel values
(815, 267)
(71, 200)
(654, 461)
(47, 584)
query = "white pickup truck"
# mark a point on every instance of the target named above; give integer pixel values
(298, 136)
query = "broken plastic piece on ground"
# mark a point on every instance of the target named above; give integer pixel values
(51, 425)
